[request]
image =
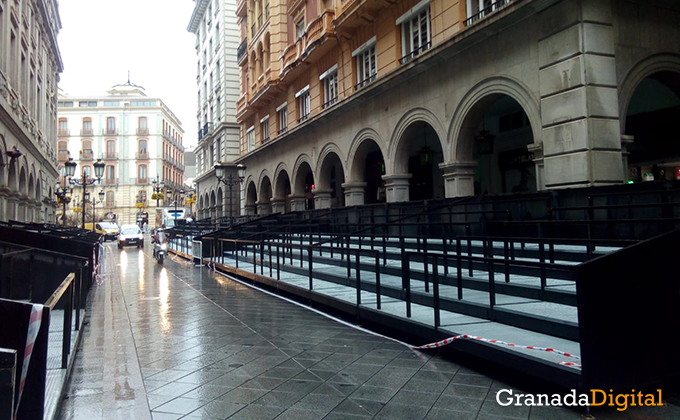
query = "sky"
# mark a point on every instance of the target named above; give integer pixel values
(101, 40)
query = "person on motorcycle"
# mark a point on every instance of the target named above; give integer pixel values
(160, 241)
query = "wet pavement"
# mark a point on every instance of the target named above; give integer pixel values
(175, 341)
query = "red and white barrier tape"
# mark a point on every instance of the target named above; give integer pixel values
(33, 328)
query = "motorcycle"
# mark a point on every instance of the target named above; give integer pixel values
(160, 251)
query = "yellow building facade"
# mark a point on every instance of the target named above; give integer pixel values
(349, 102)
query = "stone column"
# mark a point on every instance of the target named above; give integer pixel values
(12, 206)
(459, 179)
(264, 207)
(251, 209)
(297, 202)
(396, 187)
(537, 150)
(354, 193)
(579, 98)
(278, 205)
(4, 194)
(322, 198)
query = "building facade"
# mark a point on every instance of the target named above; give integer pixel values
(356, 102)
(217, 80)
(140, 141)
(30, 64)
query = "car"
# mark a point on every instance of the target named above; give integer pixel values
(108, 229)
(130, 235)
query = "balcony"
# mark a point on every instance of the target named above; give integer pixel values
(142, 155)
(64, 133)
(86, 155)
(140, 181)
(110, 156)
(63, 155)
(241, 9)
(110, 132)
(313, 44)
(86, 133)
(413, 54)
(367, 81)
(241, 104)
(241, 56)
(109, 204)
(111, 181)
(499, 4)
(142, 131)
(355, 13)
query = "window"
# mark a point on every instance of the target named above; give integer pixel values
(63, 150)
(250, 138)
(415, 31)
(110, 125)
(63, 127)
(65, 104)
(303, 103)
(109, 199)
(143, 124)
(212, 155)
(300, 28)
(330, 86)
(110, 174)
(264, 128)
(87, 127)
(87, 150)
(142, 148)
(110, 149)
(111, 103)
(85, 104)
(142, 196)
(142, 103)
(366, 65)
(477, 9)
(87, 171)
(282, 115)
(141, 174)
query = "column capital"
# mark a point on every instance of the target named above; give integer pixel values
(458, 168)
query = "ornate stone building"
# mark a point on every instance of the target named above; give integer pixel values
(29, 71)
(214, 23)
(341, 100)
(138, 138)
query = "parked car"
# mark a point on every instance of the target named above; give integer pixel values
(108, 229)
(130, 235)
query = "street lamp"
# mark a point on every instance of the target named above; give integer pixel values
(85, 180)
(63, 192)
(94, 205)
(181, 195)
(157, 189)
(230, 181)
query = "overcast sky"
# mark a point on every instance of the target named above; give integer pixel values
(101, 40)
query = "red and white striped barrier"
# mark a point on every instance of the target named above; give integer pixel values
(33, 327)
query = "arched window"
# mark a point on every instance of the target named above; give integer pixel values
(142, 127)
(142, 174)
(87, 127)
(110, 202)
(63, 127)
(86, 153)
(111, 149)
(110, 125)
(63, 150)
(87, 171)
(143, 153)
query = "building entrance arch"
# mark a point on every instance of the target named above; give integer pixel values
(652, 150)
(328, 191)
(282, 191)
(303, 188)
(367, 167)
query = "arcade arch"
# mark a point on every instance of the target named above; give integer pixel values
(331, 175)
(303, 187)
(652, 107)
(282, 192)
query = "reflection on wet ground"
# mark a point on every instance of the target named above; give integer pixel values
(175, 341)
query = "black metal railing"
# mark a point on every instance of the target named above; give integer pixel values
(487, 11)
(410, 56)
(330, 102)
(241, 50)
(365, 82)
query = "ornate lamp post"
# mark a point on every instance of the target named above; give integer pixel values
(181, 195)
(94, 204)
(85, 180)
(157, 189)
(63, 192)
(230, 181)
